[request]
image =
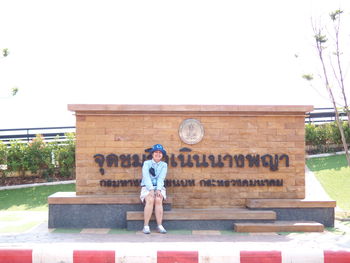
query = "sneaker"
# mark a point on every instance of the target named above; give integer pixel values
(146, 230)
(161, 229)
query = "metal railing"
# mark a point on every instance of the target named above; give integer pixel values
(324, 115)
(27, 134)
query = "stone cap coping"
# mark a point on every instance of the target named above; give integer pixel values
(72, 198)
(129, 109)
(289, 203)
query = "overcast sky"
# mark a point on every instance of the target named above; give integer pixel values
(155, 52)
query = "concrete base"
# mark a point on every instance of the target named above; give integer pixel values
(114, 216)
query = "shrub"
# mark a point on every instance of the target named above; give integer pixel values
(317, 134)
(3, 158)
(40, 157)
(325, 136)
(347, 132)
(37, 156)
(16, 157)
(65, 155)
(3, 153)
(310, 134)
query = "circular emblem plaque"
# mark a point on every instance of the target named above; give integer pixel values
(191, 131)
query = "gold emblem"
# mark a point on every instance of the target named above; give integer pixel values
(191, 131)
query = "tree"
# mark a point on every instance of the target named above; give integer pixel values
(332, 76)
(338, 71)
(4, 53)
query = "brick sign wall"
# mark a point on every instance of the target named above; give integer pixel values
(244, 151)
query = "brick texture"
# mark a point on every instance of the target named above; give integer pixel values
(226, 135)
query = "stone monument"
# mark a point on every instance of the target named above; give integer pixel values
(219, 157)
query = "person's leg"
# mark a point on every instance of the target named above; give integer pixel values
(148, 210)
(159, 209)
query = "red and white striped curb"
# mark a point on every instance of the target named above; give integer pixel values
(154, 256)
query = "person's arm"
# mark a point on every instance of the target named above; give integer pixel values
(146, 179)
(162, 175)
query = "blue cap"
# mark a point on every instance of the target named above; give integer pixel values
(158, 147)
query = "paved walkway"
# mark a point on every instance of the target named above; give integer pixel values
(335, 238)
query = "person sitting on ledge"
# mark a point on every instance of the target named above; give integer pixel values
(153, 191)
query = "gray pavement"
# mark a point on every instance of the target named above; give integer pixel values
(331, 240)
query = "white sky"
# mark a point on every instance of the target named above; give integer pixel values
(154, 52)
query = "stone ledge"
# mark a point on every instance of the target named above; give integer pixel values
(279, 226)
(72, 198)
(289, 203)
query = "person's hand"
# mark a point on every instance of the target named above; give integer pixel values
(152, 193)
(158, 193)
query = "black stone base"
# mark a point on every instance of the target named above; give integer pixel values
(92, 215)
(114, 216)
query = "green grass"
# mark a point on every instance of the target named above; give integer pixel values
(120, 231)
(67, 230)
(9, 217)
(32, 198)
(19, 222)
(231, 232)
(335, 230)
(19, 228)
(334, 175)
